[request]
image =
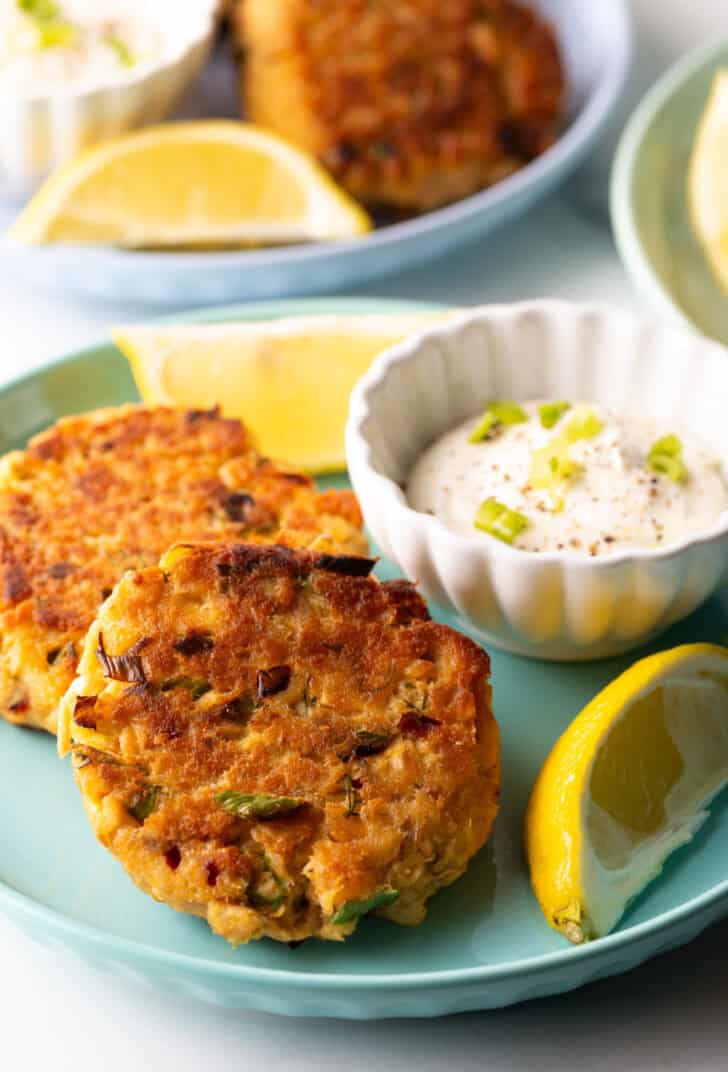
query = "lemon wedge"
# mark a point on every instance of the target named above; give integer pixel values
(206, 183)
(288, 379)
(708, 179)
(626, 784)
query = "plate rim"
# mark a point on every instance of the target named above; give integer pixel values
(568, 149)
(16, 904)
(631, 250)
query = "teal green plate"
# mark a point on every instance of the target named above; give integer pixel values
(649, 196)
(484, 943)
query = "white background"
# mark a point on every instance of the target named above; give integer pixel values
(670, 1014)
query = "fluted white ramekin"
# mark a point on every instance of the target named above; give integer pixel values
(551, 605)
(39, 131)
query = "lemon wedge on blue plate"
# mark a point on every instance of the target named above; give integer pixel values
(209, 183)
(627, 784)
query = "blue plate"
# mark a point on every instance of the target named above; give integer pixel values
(595, 40)
(485, 942)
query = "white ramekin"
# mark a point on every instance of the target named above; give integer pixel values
(555, 605)
(38, 132)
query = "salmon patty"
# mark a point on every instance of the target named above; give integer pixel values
(412, 103)
(276, 742)
(107, 491)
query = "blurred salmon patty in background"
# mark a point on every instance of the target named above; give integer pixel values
(412, 103)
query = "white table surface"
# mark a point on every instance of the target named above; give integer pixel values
(56, 1013)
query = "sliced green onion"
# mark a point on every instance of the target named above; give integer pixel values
(498, 412)
(195, 686)
(499, 520)
(123, 53)
(356, 909)
(482, 429)
(584, 424)
(257, 900)
(551, 465)
(40, 10)
(143, 803)
(507, 412)
(563, 467)
(56, 35)
(673, 468)
(550, 413)
(257, 805)
(665, 458)
(552, 469)
(669, 444)
(53, 30)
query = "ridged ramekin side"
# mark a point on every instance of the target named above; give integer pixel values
(553, 605)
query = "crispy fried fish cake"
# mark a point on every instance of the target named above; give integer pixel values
(274, 741)
(412, 103)
(100, 493)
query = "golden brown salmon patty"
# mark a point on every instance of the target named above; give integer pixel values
(273, 740)
(100, 493)
(407, 102)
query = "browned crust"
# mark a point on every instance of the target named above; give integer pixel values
(351, 657)
(101, 493)
(410, 102)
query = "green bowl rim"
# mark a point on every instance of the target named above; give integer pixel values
(20, 905)
(626, 160)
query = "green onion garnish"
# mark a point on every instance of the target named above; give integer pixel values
(195, 686)
(53, 30)
(123, 53)
(356, 909)
(499, 520)
(143, 803)
(56, 35)
(673, 468)
(669, 444)
(257, 900)
(498, 412)
(257, 805)
(40, 10)
(551, 466)
(665, 458)
(584, 424)
(550, 413)
(552, 469)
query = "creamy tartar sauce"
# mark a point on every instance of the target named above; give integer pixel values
(625, 482)
(47, 45)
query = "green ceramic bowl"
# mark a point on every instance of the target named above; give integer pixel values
(485, 942)
(649, 196)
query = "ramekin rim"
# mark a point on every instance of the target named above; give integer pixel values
(359, 448)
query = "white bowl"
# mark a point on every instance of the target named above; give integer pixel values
(552, 605)
(39, 131)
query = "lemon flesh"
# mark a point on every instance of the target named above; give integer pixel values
(708, 179)
(207, 183)
(289, 379)
(626, 785)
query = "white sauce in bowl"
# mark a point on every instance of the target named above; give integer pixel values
(84, 44)
(613, 501)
